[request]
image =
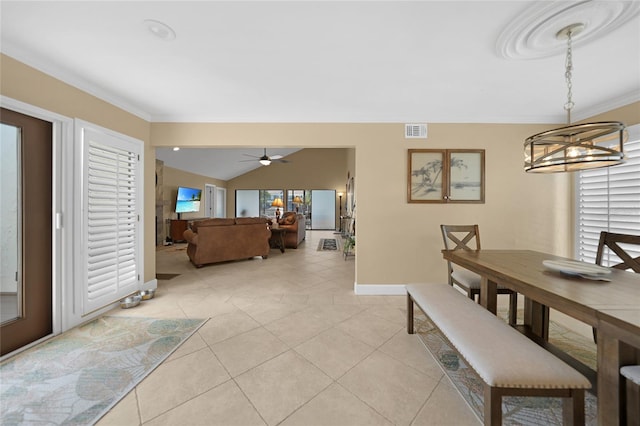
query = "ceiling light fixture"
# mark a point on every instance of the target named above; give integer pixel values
(264, 160)
(578, 146)
(160, 29)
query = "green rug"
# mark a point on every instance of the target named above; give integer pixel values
(523, 411)
(75, 378)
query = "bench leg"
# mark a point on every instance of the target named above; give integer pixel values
(409, 314)
(492, 406)
(573, 409)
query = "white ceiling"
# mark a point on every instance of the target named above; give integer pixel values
(333, 61)
(219, 163)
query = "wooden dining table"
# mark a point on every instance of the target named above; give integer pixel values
(611, 307)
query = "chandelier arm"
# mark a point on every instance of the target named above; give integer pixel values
(550, 154)
(592, 155)
(574, 147)
(606, 126)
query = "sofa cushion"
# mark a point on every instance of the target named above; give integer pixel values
(250, 220)
(212, 222)
(288, 219)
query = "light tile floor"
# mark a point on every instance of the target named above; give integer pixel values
(287, 343)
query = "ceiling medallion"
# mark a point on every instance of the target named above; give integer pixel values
(532, 34)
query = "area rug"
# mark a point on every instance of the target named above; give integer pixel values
(526, 411)
(327, 244)
(75, 378)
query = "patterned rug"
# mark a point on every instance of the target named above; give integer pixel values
(327, 244)
(515, 410)
(75, 378)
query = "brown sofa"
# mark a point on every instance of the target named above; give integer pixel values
(220, 240)
(296, 230)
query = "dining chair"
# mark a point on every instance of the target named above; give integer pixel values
(609, 243)
(612, 241)
(467, 237)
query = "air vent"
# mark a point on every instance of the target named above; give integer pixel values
(415, 131)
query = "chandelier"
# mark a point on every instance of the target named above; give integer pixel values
(578, 146)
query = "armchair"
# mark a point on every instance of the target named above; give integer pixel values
(294, 223)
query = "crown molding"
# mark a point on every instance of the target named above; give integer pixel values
(71, 79)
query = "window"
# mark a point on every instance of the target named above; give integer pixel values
(608, 199)
(299, 200)
(257, 202)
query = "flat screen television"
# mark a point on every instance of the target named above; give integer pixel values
(188, 200)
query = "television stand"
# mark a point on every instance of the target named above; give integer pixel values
(177, 228)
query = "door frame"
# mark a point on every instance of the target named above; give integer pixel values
(62, 201)
(220, 197)
(209, 200)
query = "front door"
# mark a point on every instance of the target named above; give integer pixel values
(26, 150)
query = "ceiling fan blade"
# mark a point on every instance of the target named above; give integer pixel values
(276, 157)
(280, 161)
(252, 156)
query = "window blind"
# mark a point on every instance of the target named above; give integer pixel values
(609, 200)
(112, 196)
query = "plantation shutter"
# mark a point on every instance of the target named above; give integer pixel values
(609, 200)
(112, 194)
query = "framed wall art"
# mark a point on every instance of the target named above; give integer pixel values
(445, 176)
(426, 181)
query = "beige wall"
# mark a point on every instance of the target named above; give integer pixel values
(33, 87)
(307, 169)
(400, 242)
(174, 178)
(310, 168)
(397, 242)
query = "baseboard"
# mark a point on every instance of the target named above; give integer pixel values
(379, 290)
(150, 285)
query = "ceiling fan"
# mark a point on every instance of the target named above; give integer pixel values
(265, 160)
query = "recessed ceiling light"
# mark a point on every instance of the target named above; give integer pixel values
(160, 29)
(176, 148)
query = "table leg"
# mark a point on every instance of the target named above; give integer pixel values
(612, 398)
(536, 317)
(608, 380)
(489, 295)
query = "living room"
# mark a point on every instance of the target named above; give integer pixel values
(521, 210)
(362, 133)
(306, 169)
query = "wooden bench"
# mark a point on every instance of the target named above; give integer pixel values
(509, 363)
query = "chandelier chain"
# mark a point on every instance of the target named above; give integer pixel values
(567, 75)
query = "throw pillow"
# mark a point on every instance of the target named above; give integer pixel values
(289, 220)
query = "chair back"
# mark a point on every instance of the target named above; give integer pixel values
(612, 241)
(460, 237)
